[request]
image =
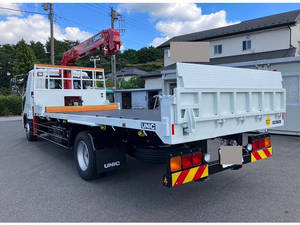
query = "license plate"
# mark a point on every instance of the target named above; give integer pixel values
(231, 155)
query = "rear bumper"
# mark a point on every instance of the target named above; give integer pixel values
(200, 172)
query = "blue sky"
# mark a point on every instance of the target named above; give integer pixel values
(145, 24)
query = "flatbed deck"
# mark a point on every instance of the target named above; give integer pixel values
(134, 114)
(126, 118)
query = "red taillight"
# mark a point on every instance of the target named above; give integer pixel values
(186, 161)
(261, 143)
(282, 116)
(173, 129)
(197, 158)
(255, 145)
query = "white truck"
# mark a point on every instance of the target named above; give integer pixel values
(208, 102)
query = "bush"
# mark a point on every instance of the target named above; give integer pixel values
(5, 91)
(10, 105)
(132, 83)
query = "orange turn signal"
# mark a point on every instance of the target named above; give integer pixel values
(175, 163)
(267, 142)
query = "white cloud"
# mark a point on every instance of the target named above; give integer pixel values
(36, 28)
(122, 48)
(173, 19)
(14, 6)
(74, 33)
(159, 40)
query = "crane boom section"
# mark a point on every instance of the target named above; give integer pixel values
(106, 40)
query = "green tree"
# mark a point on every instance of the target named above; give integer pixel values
(24, 59)
(19, 59)
(60, 47)
(149, 54)
(39, 51)
(133, 82)
(7, 56)
(131, 56)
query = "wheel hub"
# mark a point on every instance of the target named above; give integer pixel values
(27, 129)
(83, 155)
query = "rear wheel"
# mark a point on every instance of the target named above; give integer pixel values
(29, 131)
(85, 157)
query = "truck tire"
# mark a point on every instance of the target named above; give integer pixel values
(85, 157)
(29, 131)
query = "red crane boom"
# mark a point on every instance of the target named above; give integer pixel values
(106, 40)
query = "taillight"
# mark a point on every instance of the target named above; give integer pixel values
(175, 163)
(255, 145)
(173, 129)
(267, 142)
(261, 143)
(186, 161)
(197, 158)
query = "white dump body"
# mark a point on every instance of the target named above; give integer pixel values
(212, 101)
(208, 102)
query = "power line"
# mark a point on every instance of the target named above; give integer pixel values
(24, 11)
(67, 19)
(75, 22)
(129, 19)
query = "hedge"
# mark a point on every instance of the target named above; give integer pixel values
(10, 105)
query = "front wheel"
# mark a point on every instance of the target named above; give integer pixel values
(29, 131)
(85, 157)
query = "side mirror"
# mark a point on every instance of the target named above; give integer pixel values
(13, 81)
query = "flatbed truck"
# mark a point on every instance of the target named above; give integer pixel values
(207, 102)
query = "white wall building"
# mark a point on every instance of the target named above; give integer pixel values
(268, 43)
(271, 33)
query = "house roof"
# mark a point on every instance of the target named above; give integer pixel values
(157, 73)
(277, 20)
(129, 72)
(290, 52)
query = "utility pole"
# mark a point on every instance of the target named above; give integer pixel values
(113, 16)
(51, 16)
(49, 6)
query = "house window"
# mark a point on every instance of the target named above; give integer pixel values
(217, 49)
(172, 86)
(246, 45)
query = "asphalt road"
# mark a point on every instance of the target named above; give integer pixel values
(39, 182)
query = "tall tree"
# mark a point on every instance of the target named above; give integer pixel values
(24, 59)
(59, 48)
(131, 56)
(39, 51)
(7, 55)
(149, 54)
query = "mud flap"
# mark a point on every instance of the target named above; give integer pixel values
(108, 159)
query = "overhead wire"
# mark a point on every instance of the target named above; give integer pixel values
(24, 11)
(66, 19)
